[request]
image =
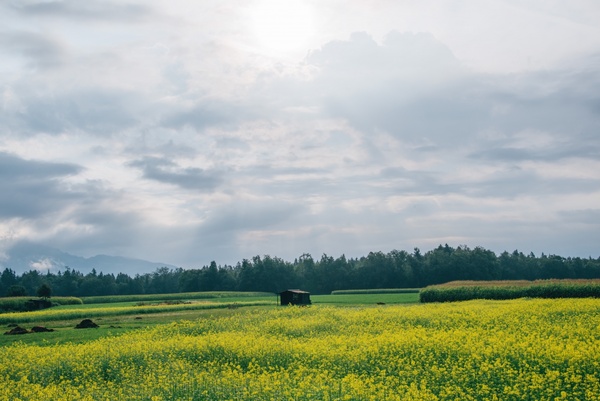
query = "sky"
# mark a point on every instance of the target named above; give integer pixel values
(189, 131)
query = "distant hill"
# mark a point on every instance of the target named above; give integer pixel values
(25, 256)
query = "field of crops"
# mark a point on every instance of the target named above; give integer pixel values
(537, 349)
(465, 290)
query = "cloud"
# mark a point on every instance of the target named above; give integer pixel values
(181, 144)
(33, 188)
(97, 111)
(43, 265)
(168, 172)
(203, 114)
(406, 85)
(39, 51)
(89, 9)
(414, 88)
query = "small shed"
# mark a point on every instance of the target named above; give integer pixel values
(294, 297)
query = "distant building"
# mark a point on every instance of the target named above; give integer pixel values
(294, 297)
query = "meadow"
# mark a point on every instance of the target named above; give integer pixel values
(525, 349)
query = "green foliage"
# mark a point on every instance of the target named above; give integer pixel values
(377, 291)
(16, 291)
(378, 271)
(19, 304)
(44, 291)
(508, 290)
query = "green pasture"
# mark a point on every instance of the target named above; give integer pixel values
(377, 291)
(365, 299)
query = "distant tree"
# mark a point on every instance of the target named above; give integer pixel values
(44, 291)
(31, 280)
(8, 277)
(16, 291)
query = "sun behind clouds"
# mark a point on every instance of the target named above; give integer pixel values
(279, 28)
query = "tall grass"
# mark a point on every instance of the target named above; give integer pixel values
(466, 290)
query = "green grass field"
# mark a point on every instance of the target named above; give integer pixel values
(366, 299)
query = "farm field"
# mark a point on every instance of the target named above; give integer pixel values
(511, 289)
(117, 315)
(365, 299)
(536, 349)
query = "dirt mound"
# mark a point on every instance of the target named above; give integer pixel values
(40, 329)
(87, 324)
(16, 330)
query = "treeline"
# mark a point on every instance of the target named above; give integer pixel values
(395, 269)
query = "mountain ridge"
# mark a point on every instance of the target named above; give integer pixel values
(25, 256)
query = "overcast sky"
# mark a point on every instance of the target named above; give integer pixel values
(188, 131)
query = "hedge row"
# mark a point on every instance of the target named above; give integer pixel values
(555, 289)
(377, 291)
(21, 304)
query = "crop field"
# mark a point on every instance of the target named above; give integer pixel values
(526, 349)
(465, 290)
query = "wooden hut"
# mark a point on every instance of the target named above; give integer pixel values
(294, 297)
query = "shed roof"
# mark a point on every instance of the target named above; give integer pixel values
(296, 291)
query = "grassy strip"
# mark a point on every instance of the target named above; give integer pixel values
(84, 313)
(19, 304)
(173, 297)
(365, 299)
(377, 291)
(508, 290)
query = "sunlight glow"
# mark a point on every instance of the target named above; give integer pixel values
(282, 27)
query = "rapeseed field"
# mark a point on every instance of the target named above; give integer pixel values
(476, 350)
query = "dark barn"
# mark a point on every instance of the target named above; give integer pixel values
(294, 297)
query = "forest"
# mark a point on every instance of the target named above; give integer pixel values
(395, 269)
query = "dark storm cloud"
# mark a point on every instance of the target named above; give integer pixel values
(32, 188)
(89, 9)
(168, 172)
